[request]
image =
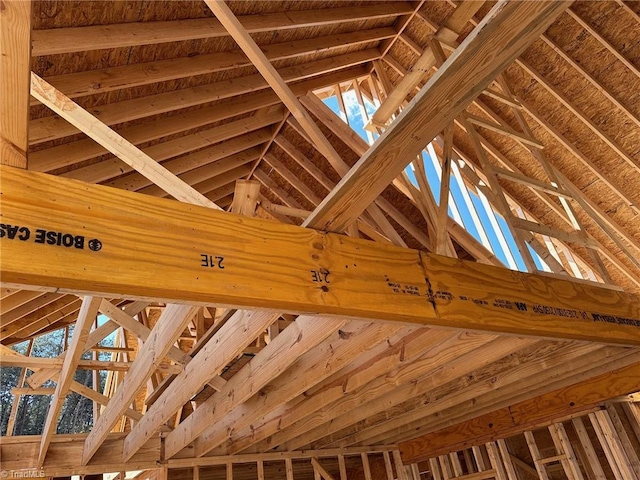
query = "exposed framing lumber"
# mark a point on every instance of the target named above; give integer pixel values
(592, 31)
(75, 39)
(170, 325)
(473, 399)
(11, 422)
(86, 317)
(50, 363)
(328, 70)
(376, 395)
(442, 218)
(296, 339)
(64, 457)
(464, 75)
(38, 378)
(115, 143)
(555, 310)
(448, 32)
(15, 68)
(569, 401)
(128, 76)
(555, 92)
(362, 341)
(275, 80)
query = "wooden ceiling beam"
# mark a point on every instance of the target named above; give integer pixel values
(604, 42)
(478, 61)
(603, 220)
(128, 76)
(589, 78)
(78, 39)
(555, 92)
(460, 356)
(67, 154)
(46, 311)
(65, 453)
(228, 343)
(56, 363)
(178, 156)
(170, 325)
(41, 299)
(376, 217)
(617, 189)
(40, 377)
(561, 309)
(51, 128)
(293, 179)
(562, 403)
(61, 156)
(15, 68)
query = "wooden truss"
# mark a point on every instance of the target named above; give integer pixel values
(324, 341)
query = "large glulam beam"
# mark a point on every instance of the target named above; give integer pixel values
(502, 35)
(167, 250)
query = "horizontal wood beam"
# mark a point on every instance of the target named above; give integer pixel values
(210, 256)
(77, 39)
(505, 32)
(573, 400)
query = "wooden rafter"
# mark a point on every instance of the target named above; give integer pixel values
(276, 81)
(299, 337)
(448, 32)
(129, 76)
(326, 70)
(73, 39)
(115, 143)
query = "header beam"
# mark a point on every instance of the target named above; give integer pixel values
(71, 236)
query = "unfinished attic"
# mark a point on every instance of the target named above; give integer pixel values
(320, 240)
